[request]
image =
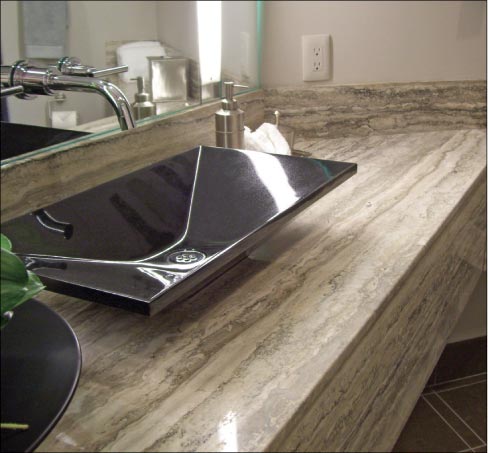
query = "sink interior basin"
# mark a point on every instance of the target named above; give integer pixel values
(149, 238)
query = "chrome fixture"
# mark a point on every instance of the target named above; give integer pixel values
(229, 120)
(12, 90)
(67, 75)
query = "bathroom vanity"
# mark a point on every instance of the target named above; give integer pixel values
(322, 338)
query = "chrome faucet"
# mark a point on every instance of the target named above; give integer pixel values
(23, 81)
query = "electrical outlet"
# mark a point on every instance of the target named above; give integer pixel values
(316, 57)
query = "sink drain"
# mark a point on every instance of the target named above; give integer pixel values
(186, 257)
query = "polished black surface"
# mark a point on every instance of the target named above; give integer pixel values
(148, 238)
(41, 364)
(17, 139)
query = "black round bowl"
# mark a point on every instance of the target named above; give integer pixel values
(40, 368)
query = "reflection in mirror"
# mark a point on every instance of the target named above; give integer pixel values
(174, 46)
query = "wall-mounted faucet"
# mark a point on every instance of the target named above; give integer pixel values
(67, 75)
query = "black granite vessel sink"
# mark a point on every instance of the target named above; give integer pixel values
(18, 139)
(149, 238)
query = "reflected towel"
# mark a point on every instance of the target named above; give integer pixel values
(44, 28)
(134, 55)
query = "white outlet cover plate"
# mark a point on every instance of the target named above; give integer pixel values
(316, 57)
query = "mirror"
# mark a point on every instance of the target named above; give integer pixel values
(193, 46)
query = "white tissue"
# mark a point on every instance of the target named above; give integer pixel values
(66, 119)
(134, 55)
(266, 138)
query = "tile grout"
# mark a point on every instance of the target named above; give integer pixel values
(445, 421)
(460, 379)
(460, 418)
(471, 449)
(430, 392)
(464, 377)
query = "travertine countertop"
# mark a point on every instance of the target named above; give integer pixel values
(227, 369)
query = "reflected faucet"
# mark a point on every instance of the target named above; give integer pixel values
(67, 75)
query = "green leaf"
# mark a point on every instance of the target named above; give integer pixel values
(34, 285)
(15, 293)
(17, 284)
(5, 242)
(10, 293)
(13, 269)
(33, 278)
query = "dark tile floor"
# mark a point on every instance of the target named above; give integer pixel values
(450, 415)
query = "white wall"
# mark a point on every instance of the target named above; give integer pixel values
(91, 25)
(239, 41)
(176, 18)
(177, 26)
(378, 41)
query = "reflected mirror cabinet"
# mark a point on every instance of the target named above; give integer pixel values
(181, 51)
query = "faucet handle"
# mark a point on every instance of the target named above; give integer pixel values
(18, 89)
(108, 71)
(70, 66)
(73, 66)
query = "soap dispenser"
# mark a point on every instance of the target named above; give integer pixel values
(143, 107)
(229, 120)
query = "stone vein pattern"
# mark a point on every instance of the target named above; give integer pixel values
(42, 178)
(361, 110)
(322, 339)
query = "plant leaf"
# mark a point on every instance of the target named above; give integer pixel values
(14, 293)
(33, 278)
(17, 283)
(5, 242)
(34, 285)
(13, 269)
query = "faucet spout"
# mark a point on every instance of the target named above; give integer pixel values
(45, 81)
(109, 91)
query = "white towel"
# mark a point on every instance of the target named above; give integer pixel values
(44, 28)
(134, 55)
(266, 138)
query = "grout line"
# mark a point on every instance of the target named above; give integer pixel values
(432, 387)
(471, 449)
(445, 421)
(460, 379)
(454, 388)
(433, 390)
(460, 418)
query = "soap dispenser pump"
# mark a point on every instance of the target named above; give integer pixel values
(143, 107)
(229, 120)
